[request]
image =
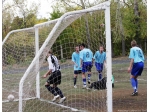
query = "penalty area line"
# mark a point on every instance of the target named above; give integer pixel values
(67, 107)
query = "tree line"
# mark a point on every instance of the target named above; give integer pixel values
(128, 22)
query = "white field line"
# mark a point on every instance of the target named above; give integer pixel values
(72, 109)
(15, 100)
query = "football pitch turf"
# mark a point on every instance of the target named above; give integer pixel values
(122, 99)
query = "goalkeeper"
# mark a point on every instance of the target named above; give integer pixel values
(54, 78)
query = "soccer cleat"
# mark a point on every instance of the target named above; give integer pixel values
(55, 98)
(62, 100)
(134, 93)
(89, 82)
(84, 87)
(88, 88)
(75, 86)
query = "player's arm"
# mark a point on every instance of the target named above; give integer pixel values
(47, 73)
(105, 64)
(73, 60)
(94, 58)
(105, 61)
(131, 64)
(81, 59)
(131, 56)
(81, 62)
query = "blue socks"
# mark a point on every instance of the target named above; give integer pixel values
(100, 76)
(134, 84)
(89, 76)
(84, 81)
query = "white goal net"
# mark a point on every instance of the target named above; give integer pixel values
(24, 53)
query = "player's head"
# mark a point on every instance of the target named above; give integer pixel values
(82, 46)
(133, 43)
(77, 48)
(50, 52)
(101, 48)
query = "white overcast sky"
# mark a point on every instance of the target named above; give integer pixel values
(45, 7)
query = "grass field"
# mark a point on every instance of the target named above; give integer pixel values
(87, 101)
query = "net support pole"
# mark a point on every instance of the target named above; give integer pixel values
(108, 57)
(37, 65)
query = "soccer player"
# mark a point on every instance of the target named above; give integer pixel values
(136, 65)
(100, 61)
(86, 57)
(76, 60)
(54, 78)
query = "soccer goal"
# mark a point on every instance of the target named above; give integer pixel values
(24, 53)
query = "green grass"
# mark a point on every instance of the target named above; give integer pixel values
(77, 98)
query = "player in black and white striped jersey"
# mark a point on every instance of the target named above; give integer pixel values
(54, 78)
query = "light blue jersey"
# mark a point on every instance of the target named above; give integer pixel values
(136, 54)
(86, 55)
(76, 59)
(100, 57)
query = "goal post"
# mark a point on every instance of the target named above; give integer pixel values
(109, 59)
(62, 35)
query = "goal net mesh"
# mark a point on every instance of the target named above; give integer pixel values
(19, 59)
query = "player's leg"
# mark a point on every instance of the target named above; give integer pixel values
(99, 68)
(57, 81)
(133, 83)
(136, 71)
(84, 75)
(89, 67)
(75, 78)
(59, 92)
(89, 77)
(84, 79)
(49, 88)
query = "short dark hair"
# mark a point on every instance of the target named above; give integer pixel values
(50, 51)
(101, 46)
(82, 44)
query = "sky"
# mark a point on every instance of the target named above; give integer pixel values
(45, 7)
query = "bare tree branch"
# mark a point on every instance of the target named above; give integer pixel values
(126, 3)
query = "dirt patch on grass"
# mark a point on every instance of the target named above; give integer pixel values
(123, 101)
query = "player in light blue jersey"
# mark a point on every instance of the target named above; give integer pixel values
(86, 57)
(136, 65)
(76, 60)
(100, 61)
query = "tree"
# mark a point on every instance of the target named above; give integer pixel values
(17, 23)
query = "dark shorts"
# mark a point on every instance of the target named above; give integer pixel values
(55, 78)
(137, 69)
(86, 67)
(77, 71)
(99, 66)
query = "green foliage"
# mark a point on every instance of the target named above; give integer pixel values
(17, 23)
(10, 60)
(63, 60)
(55, 14)
(77, 32)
